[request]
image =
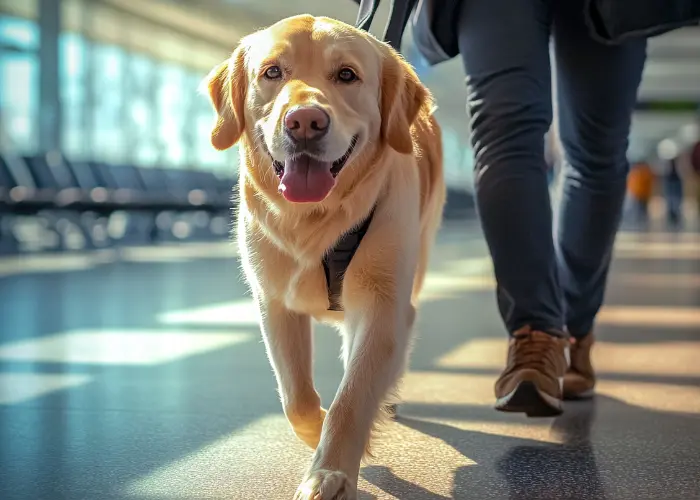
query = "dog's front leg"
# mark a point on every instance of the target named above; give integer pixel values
(376, 357)
(288, 339)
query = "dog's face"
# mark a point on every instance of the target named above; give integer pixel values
(313, 95)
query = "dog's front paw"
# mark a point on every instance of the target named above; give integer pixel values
(326, 485)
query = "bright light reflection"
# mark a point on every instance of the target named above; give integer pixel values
(21, 387)
(122, 347)
(240, 312)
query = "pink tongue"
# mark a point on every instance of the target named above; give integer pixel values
(306, 180)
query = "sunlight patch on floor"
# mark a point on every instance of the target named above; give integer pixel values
(664, 250)
(650, 316)
(240, 312)
(442, 285)
(119, 347)
(659, 236)
(453, 389)
(427, 387)
(658, 397)
(264, 457)
(268, 456)
(27, 264)
(180, 252)
(652, 358)
(21, 387)
(658, 280)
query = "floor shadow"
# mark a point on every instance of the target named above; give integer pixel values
(588, 461)
(386, 480)
(568, 470)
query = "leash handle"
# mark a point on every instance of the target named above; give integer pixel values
(399, 13)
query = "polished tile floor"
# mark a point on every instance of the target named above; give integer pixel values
(142, 376)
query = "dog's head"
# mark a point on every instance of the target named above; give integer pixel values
(312, 96)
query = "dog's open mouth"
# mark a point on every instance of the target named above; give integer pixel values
(305, 179)
(336, 166)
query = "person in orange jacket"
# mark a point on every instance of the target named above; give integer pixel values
(640, 188)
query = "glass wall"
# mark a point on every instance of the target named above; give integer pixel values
(119, 105)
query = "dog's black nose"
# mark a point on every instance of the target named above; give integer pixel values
(305, 123)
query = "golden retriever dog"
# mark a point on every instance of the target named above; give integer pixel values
(332, 125)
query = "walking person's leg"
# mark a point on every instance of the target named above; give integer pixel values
(597, 91)
(505, 47)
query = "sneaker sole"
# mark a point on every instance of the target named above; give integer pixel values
(575, 396)
(528, 399)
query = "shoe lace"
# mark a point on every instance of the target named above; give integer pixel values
(535, 351)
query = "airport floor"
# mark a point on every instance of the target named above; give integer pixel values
(142, 376)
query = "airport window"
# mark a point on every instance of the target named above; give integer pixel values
(118, 105)
(173, 103)
(19, 97)
(73, 98)
(107, 98)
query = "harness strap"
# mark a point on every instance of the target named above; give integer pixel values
(337, 260)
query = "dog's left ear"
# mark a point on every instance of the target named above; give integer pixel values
(226, 86)
(402, 96)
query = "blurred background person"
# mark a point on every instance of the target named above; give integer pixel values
(672, 181)
(640, 189)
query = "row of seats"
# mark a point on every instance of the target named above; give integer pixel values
(31, 184)
(83, 205)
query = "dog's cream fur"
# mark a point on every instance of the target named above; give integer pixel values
(396, 166)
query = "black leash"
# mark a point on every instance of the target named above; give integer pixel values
(399, 13)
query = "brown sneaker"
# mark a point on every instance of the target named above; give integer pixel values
(579, 380)
(532, 381)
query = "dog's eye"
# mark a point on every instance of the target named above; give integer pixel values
(273, 73)
(346, 75)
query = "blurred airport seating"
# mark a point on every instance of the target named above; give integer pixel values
(50, 203)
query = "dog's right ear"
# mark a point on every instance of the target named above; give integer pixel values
(226, 85)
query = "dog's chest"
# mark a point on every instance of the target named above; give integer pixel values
(305, 286)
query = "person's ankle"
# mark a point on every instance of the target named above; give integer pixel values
(549, 330)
